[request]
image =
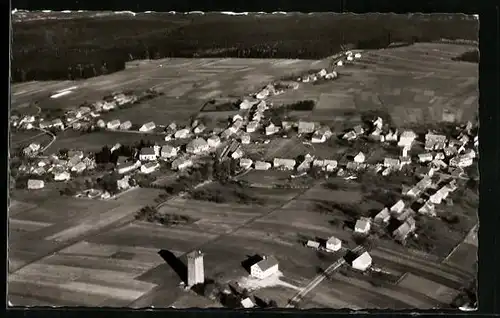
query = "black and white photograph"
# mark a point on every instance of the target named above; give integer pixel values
(243, 160)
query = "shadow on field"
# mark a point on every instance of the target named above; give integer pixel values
(177, 265)
(247, 263)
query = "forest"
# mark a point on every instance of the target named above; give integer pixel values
(85, 47)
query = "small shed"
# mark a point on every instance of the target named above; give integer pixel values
(313, 244)
(333, 244)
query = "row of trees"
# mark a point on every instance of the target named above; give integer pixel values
(151, 214)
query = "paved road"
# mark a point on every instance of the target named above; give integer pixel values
(318, 279)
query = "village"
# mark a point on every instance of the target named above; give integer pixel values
(438, 161)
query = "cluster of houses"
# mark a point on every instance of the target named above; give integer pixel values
(61, 169)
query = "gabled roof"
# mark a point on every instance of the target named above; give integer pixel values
(267, 263)
(148, 151)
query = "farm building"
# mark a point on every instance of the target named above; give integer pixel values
(313, 244)
(35, 184)
(327, 165)
(359, 158)
(362, 226)
(182, 133)
(245, 138)
(262, 165)
(362, 262)
(149, 126)
(168, 151)
(126, 125)
(181, 164)
(252, 126)
(197, 146)
(406, 139)
(114, 124)
(405, 229)
(246, 163)
(383, 216)
(321, 135)
(213, 141)
(147, 154)
(149, 167)
(264, 268)
(125, 167)
(398, 207)
(306, 127)
(333, 244)
(62, 176)
(284, 164)
(247, 303)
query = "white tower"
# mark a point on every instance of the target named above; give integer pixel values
(196, 274)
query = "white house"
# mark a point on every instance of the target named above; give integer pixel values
(126, 125)
(197, 146)
(247, 303)
(182, 133)
(398, 207)
(405, 229)
(62, 176)
(149, 167)
(321, 135)
(147, 154)
(428, 208)
(271, 129)
(213, 141)
(168, 151)
(35, 184)
(149, 126)
(262, 165)
(407, 138)
(181, 164)
(252, 126)
(264, 268)
(425, 157)
(359, 158)
(362, 262)
(199, 129)
(383, 216)
(114, 124)
(246, 163)
(284, 164)
(333, 244)
(362, 226)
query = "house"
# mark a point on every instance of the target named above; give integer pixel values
(247, 303)
(333, 244)
(75, 154)
(149, 167)
(322, 73)
(461, 161)
(246, 104)
(245, 138)
(286, 125)
(321, 135)
(428, 208)
(79, 167)
(114, 124)
(439, 156)
(358, 130)
(262, 106)
(362, 262)
(35, 184)
(246, 163)
(305, 165)
(305, 127)
(252, 126)
(149, 126)
(39, 171)
(425, 157)
(312, 244)
(147, 154)
(238, 153)
(383, 216)
(438, 164)
(353, 166)
(406, 139)
(359, 158)
(357, 55)
(264, 268)
(227, 133)
(168, 151)
(262, 94)
(62, 176)
(181, 164)
(340, 63)
(123, 183)
(405, 229)
(392, 163)
(391, 136)
(77, 126)
(350, 135)
(271, 129)
(100, 123)
(126, 125)
(432, 140)
(330, 165)
(378, 123)
(362, 226)
(182, 133)
(262, 165)
(199, 129)
(440, 195)
(237, 117)
(404, 160)
(197, 146)
(331, 75)
(213, 141)
(284, 164)
(398, 207)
